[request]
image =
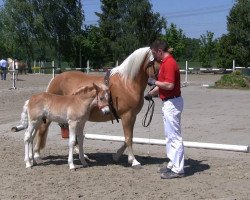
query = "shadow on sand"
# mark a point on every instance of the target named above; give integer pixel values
(104, 159)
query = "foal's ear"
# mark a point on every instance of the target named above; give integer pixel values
(97, 88)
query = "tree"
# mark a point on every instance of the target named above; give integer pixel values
(239, 30)
(32, 24)
(175, 39)
(191, 51)
(236, 44)
(207, 49)
(224, 54)
(125, 26)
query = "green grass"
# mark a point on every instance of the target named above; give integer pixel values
(234, 80)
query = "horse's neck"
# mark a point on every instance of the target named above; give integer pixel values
(139, 83)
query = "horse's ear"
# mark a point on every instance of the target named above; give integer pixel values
(83, 89)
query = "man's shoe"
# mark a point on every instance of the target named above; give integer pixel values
(163, 169)
(171, 175)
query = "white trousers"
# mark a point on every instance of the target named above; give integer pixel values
(171, 111)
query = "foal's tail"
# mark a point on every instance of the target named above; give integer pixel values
(24, 115)
(24, 119)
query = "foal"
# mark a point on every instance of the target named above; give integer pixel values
(72, 109)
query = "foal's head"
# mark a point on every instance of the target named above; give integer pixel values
(99, 92)
(102, 95)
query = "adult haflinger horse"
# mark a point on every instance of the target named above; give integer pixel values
(20, 66)
(72, 109)
(129, 81)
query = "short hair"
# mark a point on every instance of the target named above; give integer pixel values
(159, 44)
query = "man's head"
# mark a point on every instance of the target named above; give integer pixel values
(159, 49)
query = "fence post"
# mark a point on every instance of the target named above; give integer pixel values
(53, 68)
(186, 79)
(87, 66)
(233, 65)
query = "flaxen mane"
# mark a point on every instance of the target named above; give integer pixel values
(131, 65)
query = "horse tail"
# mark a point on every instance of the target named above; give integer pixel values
(24, 115)
(49, 84)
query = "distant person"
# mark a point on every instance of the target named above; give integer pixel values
(3, 65)
(168, 88)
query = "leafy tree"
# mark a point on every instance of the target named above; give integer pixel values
(91, 46)
(239, 30)
(207, 49)
(175, 39)
(224, 52)
(32, 24)
(191, 51)
(15, 31)
(125, 26)
(236, 44)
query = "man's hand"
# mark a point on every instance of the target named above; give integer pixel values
(151, 81)
(148, 97)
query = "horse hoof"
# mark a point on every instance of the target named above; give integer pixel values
(28, 166)
(72, 169)
(137, 166)
(34, 163)
(85, 166)
(37, 156)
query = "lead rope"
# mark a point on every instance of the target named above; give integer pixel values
(151, 107)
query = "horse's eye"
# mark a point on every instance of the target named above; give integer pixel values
(101, 98)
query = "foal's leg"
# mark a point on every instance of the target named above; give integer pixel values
(27, 143)
(31, 149)
(128, 122)
(80, 138)
(72, 140)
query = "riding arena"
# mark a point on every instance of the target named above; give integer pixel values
(210, 116)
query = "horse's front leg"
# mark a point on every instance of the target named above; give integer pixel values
(128, 122)
(80, 138)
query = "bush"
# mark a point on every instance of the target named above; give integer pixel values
(235, 81)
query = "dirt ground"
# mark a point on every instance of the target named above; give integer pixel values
(210, 115)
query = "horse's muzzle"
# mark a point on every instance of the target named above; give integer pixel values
(105, 110)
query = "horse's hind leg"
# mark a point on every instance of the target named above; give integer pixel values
(42, 133)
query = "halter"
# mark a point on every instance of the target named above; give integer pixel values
(111, 104)
(152, 64)
(97, 100)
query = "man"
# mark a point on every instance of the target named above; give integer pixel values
(3, 65)
(168, 88)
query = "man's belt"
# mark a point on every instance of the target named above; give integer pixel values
(173, 97)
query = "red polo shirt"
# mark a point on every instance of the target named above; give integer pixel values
(169, 72)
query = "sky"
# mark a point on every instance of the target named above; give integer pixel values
(194, 17)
